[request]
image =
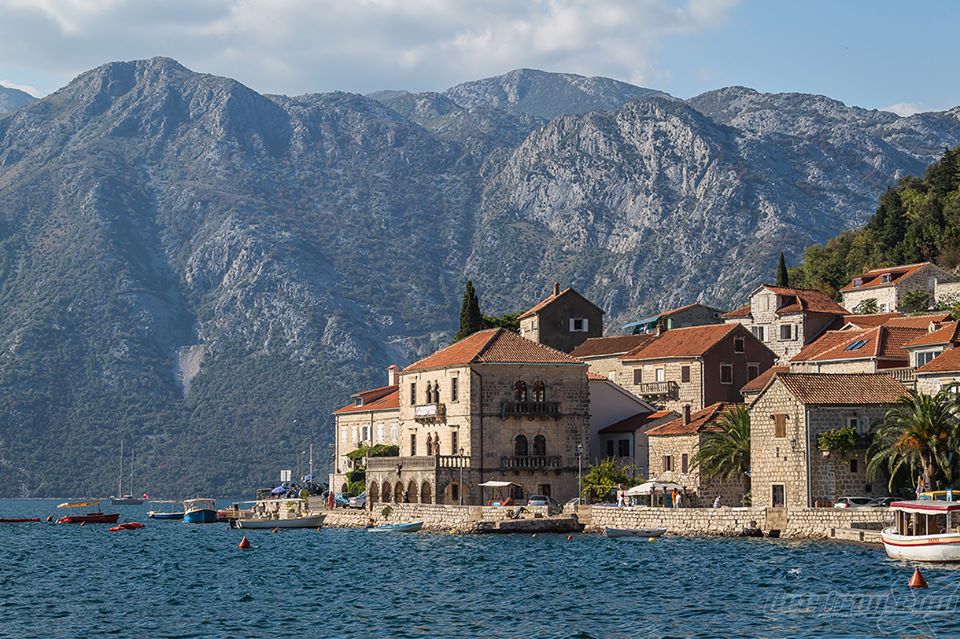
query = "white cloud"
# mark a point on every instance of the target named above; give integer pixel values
(26, 88)
(295, 46)
(904, 108)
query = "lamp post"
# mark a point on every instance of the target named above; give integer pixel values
(460, 485)
(579, 471)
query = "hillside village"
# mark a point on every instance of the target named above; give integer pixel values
(531, 411)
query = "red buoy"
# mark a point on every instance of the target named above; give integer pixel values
(244, 543)
(917, 581)
(569, 537)
(275, 529)
(49, 517)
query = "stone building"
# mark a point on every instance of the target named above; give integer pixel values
(494, 406)
(602, 354)
(786, 319)
(941, 372)
(786, 419)
(857, 351)
(683, 317)
(562, 321)
(627, 441)
(930, 344)
(887, 286)
(752, 388)
(372, 417)
(673, 447)
(695, 366)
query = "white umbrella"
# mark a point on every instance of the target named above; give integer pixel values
(650, 487)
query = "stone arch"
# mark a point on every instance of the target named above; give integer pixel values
(540, 446)
(520, 391)
(539, 391)
(387, 491)
(343, 488)
(412, 492)
(520, 447)
(426, 493)
(398, 492)
(374, 494)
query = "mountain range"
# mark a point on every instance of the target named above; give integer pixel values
(206, 272)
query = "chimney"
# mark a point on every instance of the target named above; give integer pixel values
(556, 287)
(393, 375)
(686, 414)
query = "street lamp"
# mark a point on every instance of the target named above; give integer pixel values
(579, 471)
(460, 486)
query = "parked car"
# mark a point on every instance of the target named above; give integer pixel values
(851, 502)
(881, 502)
(340, 500)
(542, 500)
(940, 495)
(360, 501)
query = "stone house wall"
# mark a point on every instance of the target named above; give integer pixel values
(705, 490)
(552, 323)
(930, 279)
(609, 365)
(946, 292)
(695, 315)
(886, 297)
(806, 326)
(352, 430)
(687, 392)
(931, 384)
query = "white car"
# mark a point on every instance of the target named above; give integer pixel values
(851, 502)
(360, 501)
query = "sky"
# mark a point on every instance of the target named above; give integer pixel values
(898, 56)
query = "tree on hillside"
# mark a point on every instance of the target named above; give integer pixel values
(783, 278)
(726, 454)
(471, 319)
(915, 301)
(510, 321)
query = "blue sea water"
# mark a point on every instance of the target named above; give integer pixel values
(178, 580)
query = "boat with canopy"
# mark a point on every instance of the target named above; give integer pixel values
(202, 510)
(923, 531)
(167, 509)
(279, 513)
(98, 517)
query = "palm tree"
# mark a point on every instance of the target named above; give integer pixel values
(918, 434)
(726, 455)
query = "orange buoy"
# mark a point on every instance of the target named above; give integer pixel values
(917, 580)
(569, 537)
(244, 543)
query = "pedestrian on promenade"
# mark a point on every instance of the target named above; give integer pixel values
(679, 499)
(716, 502)
(620, 495)
(673, 497)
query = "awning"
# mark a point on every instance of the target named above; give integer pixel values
(642, 322)
(649, 487)
(497, 484)
(279, 490)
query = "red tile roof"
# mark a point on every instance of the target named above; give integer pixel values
(842, 388)
(703, 421)
(743, 311)
(873, 279)
(616, 345)
(693, 341)
(384, 398)
(918, 321)
(878, 342)
(870, 320)
(638, 421)
(494, 345)
(597, 377)
(758, 383)
(946, 362)
(807, 301)
(945, 334)
(533, 310)
(825, 342)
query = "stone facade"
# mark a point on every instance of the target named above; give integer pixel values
(563, 321)
(928, 277)
(946, 292)
(680, 450)
(793, 463)
(933, 383)
(610, 367)
(353, 430)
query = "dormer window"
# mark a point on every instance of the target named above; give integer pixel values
(579, 325)
(358, 401)
(857, 282)
(886, 278)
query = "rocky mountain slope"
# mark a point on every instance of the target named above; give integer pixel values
(207, 272)
(13, 99)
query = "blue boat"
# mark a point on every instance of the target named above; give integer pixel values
(200, 511)
(166, 511)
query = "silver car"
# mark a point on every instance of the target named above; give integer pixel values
(851, 502)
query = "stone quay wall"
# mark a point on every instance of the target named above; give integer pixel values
(434, 516)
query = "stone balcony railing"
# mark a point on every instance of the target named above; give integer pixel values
(419, 462)
(907, 376)
(529, 462)
(453, 461)
(529, 409)
(430, 412)
(658, 389)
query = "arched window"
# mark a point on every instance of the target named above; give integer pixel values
(429, 394)
(426, 493)
(540, 446)
(386, 491)
(520, 446)
(398, 493)
(374, 492)
(412, 492)
(539, 391)
(429, 445)
(436, 392)
(520, 391)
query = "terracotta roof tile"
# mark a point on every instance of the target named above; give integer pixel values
(918, 321)
(946, 362)
(743, 311)
(877, 342)
(616, 345)
(703, 421)
(842, 388)
(536, 308)
(808, 301)
(946, 334)
(758, 383)
(693, 341)
(638, 421)
(870, 320)
(825, 342)
(872, 279)
(495, 345)
(597, 377)
(374, 400)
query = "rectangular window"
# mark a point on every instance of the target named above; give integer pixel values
(579, 325)
(365, 437)
(379, 433)
(343, 435)
(738, 345)
(454, 443)
(778, 496)
(684, 373)
(609, 448)
(780, 425)
(753, 371)
(726, 373)
(924, 357)
(786, 332)
(667, 462)
(623, 448)
(760, 332)
(454, 389)
(684, 463)
(413, 393)
(413, 444)
(544, 489)
(637, 376)
(853, 422)
(661, 374)
(853, 465)
(612, 376)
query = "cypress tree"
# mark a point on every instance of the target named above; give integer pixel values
(471, 320)
(782, 278)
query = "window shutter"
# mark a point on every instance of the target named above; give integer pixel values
(586, 325)
(684, 373)
(638, 376)
(780, 425)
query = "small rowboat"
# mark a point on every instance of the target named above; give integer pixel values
(310, 521)
(17, 520)
(412, 526)
(98, 517)
(634, 532)
(168, 512)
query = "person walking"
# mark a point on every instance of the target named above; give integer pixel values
(716, 502)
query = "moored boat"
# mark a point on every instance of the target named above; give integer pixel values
(98, 517)
(166, 510)
(200, 511)
(308, 521)
(923, 531)
(634, 532)
(411, 526)
(120, 499)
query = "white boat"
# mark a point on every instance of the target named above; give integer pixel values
(168, 509)
(634, 532)
(308, 521)
(923, 531)
(412, 526)
(120, 499)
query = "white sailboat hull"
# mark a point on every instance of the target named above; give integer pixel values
(933, 548)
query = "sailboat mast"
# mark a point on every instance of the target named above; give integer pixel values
(120, 476)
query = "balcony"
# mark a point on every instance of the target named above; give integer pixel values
(908, 376)
(529, 409)
(430, 412)
(529, 462)
(453, 461)
(658, 389)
